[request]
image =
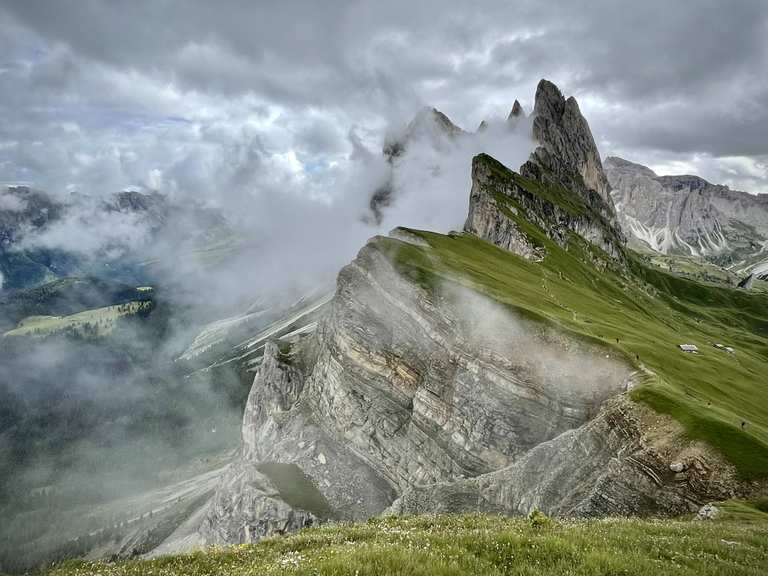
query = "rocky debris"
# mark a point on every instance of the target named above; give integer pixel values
(708, 512)
(677, 467)
(686, 214)
(247, 507)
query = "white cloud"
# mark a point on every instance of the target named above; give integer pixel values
(10, 201)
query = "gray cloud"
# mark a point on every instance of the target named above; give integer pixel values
(106, 92)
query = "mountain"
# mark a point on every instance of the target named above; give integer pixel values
(28, 258)
(530, 362)
(688, 215)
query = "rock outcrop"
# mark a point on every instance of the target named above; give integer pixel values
(516, 112)
(688, 215)
(567, 153)
(502, 203)
(562, 187)
(400, 389)
(615, 465)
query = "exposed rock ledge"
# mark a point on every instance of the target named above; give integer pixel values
(417, 401)
(615, 465)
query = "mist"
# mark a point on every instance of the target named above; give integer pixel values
(565, 367)
(99, 422)
(288, 225)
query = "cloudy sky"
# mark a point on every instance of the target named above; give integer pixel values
(189, 97)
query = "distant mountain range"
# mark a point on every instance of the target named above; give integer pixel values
(27, 215)
(688, 215)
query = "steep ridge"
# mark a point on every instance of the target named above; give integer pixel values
(562, 187)
(567, 154)
(688, 215)
(426, 388)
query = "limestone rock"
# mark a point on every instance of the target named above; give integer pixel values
(500, 199)
(686, 214)
(248, 507)
(566, 146)
(708, 512)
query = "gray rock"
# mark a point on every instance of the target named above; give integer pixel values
(708, 512)
(747, 282)
(687, 214)
(567, 149)
(500, 198)
(607, 467)
(677, 467)
(247, 507)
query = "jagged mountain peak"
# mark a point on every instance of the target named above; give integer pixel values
(429, 118)
(517, 111)
(566, 146)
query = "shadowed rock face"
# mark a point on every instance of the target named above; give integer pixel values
(566, 147)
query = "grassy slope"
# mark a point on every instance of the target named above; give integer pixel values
(644, 313)
(455, 545)
(103, 320)
(710, 393)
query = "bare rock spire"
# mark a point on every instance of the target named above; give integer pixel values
(567, 152)
(516, 112)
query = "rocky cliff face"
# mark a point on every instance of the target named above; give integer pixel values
(502, 204)
(401, 388)
(618, 464)
(567, 154)
(562, 187)
(687, 214)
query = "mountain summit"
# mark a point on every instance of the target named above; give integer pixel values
(562, 187)
(480, 371)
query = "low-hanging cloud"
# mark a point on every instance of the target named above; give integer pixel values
(291, 224)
